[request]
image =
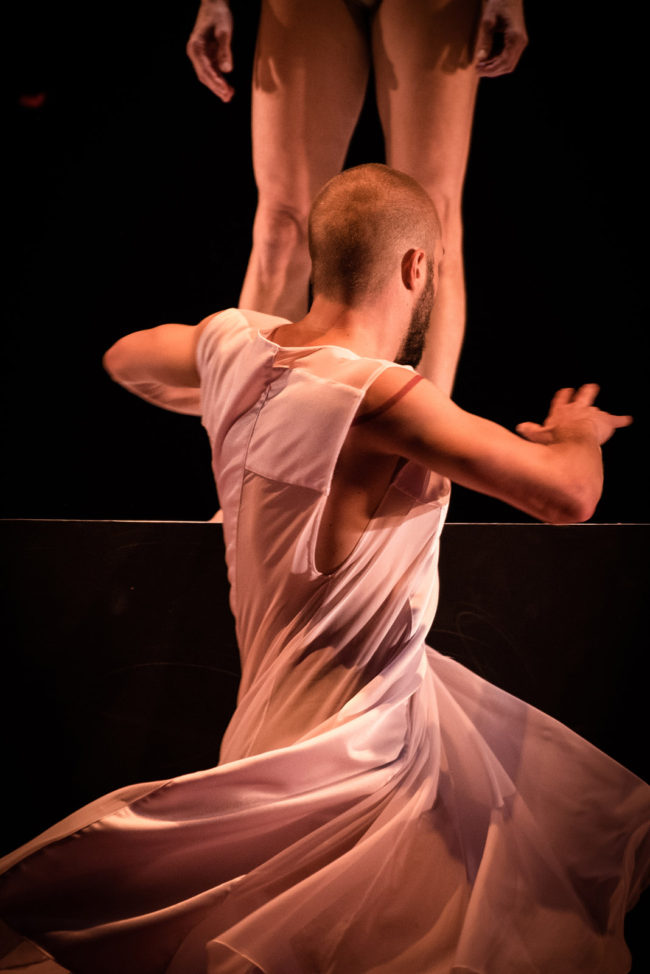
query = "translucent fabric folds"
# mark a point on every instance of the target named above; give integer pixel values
(378, 808)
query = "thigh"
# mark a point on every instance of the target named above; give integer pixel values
(309, 81)
(426, 88)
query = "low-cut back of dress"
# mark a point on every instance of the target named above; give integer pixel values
(377, 807)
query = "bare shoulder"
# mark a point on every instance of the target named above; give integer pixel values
(404, 413)
(388, 388)
(396, 394)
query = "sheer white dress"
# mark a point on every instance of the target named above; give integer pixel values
(377, 807)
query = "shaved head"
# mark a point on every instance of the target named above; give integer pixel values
(361, 225)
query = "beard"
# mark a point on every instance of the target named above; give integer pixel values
(412, 347)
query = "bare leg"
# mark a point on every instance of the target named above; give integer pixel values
(426, 91)
(310, 75)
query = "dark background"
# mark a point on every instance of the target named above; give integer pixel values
(131, 198)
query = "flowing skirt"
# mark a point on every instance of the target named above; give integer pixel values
(438, 824)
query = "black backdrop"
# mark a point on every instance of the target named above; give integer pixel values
(131, 199)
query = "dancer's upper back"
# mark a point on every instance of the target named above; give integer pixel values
(279, 421)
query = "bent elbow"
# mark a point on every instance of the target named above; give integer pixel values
(570, 514)
(113, 361)
(573, 506)
(107, 362)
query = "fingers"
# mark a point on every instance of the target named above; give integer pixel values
(209, 47)
(224, 53)
(605, 424)
(513, 43)
(501, 38)
(579, 404)
(584, 396)
(534, 432)
(618, 422)
(526, 428)
(484, 41)
(206, 71)
(561, 398)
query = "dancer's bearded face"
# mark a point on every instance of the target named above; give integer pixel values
(414, 341)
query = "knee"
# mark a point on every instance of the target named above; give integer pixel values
(280, 228)
(447, 200)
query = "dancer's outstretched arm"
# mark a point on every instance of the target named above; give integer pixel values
(551, 471)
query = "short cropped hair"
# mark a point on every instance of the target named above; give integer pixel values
(361, 223)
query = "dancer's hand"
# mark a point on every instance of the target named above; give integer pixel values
(501, 37)
(208, 47)
(572, 413)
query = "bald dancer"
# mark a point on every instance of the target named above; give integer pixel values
(311, 70)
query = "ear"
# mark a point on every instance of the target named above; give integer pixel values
(414, 269)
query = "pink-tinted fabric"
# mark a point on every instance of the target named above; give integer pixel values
(385, 406)
(378, 809)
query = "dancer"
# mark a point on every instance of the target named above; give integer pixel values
(311, 70)
(377, 807)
